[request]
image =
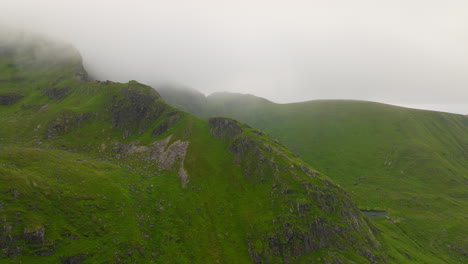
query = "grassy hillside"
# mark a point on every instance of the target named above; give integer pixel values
(411, 163)
(103, 172)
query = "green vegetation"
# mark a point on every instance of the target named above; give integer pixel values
(103, 172)
(411, 163)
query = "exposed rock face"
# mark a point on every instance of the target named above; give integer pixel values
(169, 120)
(136, 109)
(254, 165)
(175, 152)
(10, 98)
(64, 123)
(224, 127)
(242, 145)
(8, 242)
(57, 93)
(75, 259)
(305, 226)
(13, 245)
(35, 236)
(299, 236)
(165, 155)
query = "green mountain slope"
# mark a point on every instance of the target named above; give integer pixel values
(103, 172)
(411, 163)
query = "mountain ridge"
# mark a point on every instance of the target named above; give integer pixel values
(108, 172)
(410, 163)
(168, 91)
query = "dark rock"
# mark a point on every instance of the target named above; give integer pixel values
(7, 242)
(305, 231)
(57, 93)
(10, 98)
(71, 236)
(258, 132)
(77, 259)
(43, 251)
(64, 123)
(256, 258)
(169, 120)
(13, 251)
(290, 242)
(35, 237)
(460, 250)
(224, 127)
(13, 245)
(287, 191)
(136, 109)
(163, 127)
(242, 145)
(250, 155)
(308, 170)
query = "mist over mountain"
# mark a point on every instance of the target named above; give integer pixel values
(410, 53)
(233, 131)
(107, 172)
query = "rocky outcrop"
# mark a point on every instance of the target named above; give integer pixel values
(35, 236)
(9, 242)
(135, 109)
(77, 259)
(168, 121)
(307, 224)
(310, 226)
(292, 239)
(251, 157)
(64, 123)
(224, 127)
(243, 145)
(167, 156)
(32, 241)
(57, 93)
(10, 98)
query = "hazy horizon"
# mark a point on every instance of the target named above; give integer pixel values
(408, 53)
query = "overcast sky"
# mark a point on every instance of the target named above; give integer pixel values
(407, 52)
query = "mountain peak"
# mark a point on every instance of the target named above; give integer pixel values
(32, 52)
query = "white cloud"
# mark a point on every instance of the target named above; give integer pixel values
(412, 52)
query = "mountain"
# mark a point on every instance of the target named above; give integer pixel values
(409, 164)
(183, 97)
(104, 172)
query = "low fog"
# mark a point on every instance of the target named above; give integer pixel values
(407, 52)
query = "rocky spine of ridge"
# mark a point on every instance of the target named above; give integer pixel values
(303, 231)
